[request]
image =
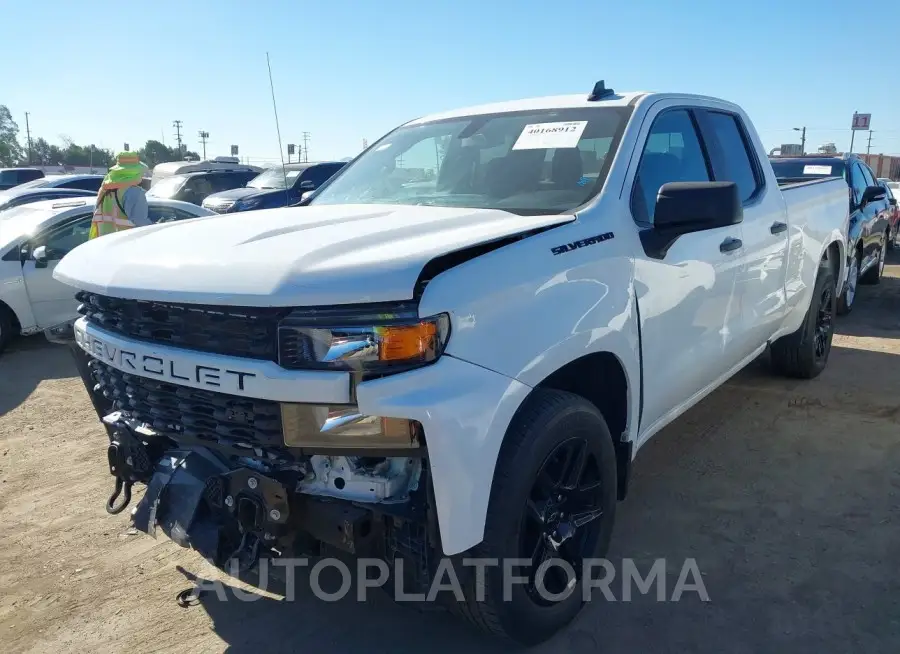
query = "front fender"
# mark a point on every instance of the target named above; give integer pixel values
(464, 410)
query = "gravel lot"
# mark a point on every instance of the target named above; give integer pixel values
(786, 493)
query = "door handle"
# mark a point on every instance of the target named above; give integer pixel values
(778, 227)
(730, 244)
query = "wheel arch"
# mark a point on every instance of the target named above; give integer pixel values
(601, 378)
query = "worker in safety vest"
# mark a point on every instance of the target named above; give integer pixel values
(121, 203)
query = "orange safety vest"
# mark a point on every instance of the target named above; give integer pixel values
(109, 216)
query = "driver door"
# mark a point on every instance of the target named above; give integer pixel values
(53, 302)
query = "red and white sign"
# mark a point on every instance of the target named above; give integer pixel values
(861, 121)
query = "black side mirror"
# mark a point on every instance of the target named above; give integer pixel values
(871, 194)
(686, 207)
(307, 185)
(893, 202)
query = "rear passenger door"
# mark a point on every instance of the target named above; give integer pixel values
(689, 306)
(761, 277)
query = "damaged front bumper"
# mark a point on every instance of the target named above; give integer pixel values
(234, 513)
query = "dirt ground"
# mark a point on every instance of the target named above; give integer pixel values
(786, 493)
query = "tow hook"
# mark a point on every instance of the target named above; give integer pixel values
(128, 463)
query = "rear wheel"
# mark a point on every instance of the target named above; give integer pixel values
(552, 503)
(876, 272)
(804, 353)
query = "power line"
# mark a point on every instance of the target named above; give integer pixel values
(306, 137)
(177, 125)
(28, 132)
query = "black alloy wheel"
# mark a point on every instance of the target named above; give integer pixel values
(561, 517)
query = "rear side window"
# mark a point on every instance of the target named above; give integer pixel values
(733, 161)
(673, 153)
(318, 175)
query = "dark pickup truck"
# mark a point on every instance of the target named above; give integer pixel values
(869, 213)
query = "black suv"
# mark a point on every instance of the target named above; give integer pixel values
(194, 187)
(870, 213)
(275, 187)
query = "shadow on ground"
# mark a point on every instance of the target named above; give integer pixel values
(26, 363)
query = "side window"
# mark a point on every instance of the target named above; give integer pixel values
(163, 214)
(87, 184)
(867, 175)
(196, 189)
(61, 241)
(672, 154)
(857, 183)
(318, 175)
(733, 163)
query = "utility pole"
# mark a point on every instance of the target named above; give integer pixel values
(203, 137)
(28, 132)
(869, 146)
(177, 125)
(802, 138)
(305, 146)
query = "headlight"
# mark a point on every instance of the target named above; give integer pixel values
(372, 338)
(251, 203)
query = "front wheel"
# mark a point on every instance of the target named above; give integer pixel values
(848, 297)
(804, 353)
(6, 326)
(553, 502)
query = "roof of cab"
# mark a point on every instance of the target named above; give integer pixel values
(573, 101)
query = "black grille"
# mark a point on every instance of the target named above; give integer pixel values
(237, 331)
(175, 410)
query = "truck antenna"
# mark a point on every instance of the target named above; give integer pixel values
(287, 196)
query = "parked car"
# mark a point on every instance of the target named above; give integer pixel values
(82, 182)
(275, 187)
(893, 195)
(33, 238)
(218, 164)
(18, 196)
(466, 368)
(869, 213)
(195, 187)
(10, 177)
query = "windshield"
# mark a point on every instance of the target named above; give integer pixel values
(549, 161)
(22, 220)
(274, 178)
(167, 187)
(807, 168)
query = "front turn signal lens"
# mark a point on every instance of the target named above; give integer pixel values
(408, 342)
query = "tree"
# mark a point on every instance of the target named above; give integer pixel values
(10, 150)
(155, 152)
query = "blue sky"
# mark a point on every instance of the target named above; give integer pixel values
(120, 72)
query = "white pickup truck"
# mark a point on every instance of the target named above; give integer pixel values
(460, 344)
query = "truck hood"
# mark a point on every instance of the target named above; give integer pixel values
(315, 255)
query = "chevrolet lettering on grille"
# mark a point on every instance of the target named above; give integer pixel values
(136, 360)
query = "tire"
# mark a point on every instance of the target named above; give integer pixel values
(804, 354)
(847, 299)
(873, 275)
(549, 420)
(7, 330)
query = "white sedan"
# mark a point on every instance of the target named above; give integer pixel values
(33, 238)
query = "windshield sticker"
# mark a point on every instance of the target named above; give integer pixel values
(816, 170)
(539, 136)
